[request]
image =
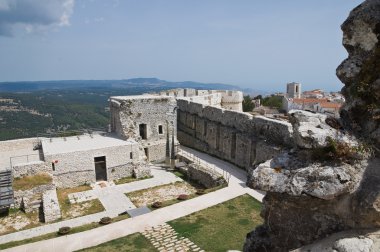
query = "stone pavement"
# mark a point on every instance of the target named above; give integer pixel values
(140, 223)
(164, 238)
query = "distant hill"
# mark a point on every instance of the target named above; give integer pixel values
(153, 83)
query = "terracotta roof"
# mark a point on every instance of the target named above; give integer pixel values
(330, 105)
(308, 100)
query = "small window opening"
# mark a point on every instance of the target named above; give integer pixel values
(53, 166)
(160, 130)
(131, 155)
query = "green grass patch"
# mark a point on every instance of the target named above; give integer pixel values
(131, 243)
(222, 227)
(55, 234)
(129, 180)
(29, 182)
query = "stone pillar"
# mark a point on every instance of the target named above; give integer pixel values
(167, 156)
(173, 154)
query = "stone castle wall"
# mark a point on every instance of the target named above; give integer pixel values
(234, 136)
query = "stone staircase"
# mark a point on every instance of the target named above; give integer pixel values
(6, 190)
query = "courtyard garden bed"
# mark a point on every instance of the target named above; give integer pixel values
(162, 193)
(69, 210)
(222, 227)
(17, 220)
(29, 182)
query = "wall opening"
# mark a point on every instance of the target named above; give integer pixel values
(130, 155)
(146, 150)
(233, 146)
(218, 137)
(204, 128)
(143, 131)
(100, 168)
(160, 130)
(53, 166)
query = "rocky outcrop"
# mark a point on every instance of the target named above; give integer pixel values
(330, 181)
(348, 241)
(360, 72)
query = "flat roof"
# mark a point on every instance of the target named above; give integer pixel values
(86, 142)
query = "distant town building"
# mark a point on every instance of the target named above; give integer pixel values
(293, 90)
(256, 103)
(315, 100)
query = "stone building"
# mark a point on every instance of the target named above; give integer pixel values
(148, 119)
(293, 90)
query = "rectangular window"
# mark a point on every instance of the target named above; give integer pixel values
(160, 130)
(131, 155)
(53, 166)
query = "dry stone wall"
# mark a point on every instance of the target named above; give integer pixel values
(50, 203)
(31, 169)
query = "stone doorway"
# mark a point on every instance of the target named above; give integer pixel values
(100, 168)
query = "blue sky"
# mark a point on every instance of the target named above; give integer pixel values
(249, 43)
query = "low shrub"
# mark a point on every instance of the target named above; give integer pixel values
(183, 197)
(157, 204)
(64, 230)
(105, 220)
(201, 191)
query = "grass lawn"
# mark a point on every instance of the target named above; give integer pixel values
(131, 243)
(69, 210)
(129, 180)
(29, 182)
(54, 235)
(222, 227)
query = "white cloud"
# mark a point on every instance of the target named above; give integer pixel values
(34, 15)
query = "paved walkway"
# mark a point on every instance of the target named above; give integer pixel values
(140, 223)
(164, 238)
(113, 197)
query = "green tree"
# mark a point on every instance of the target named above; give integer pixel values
(272, 101)
(247, 104)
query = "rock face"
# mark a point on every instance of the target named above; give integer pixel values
(330, 180)
(360, 72)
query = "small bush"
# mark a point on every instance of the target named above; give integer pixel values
(201, 191)
(105, 220)
(183, 197)
(64, 230)
(157, 204)
(339, 151)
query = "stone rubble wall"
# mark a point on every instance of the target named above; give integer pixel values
(127, 113)
(30, 200)
(205, 176)
(31, 169)
(234, 136)
(121, 171)
(78, 168)
(52, 211)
